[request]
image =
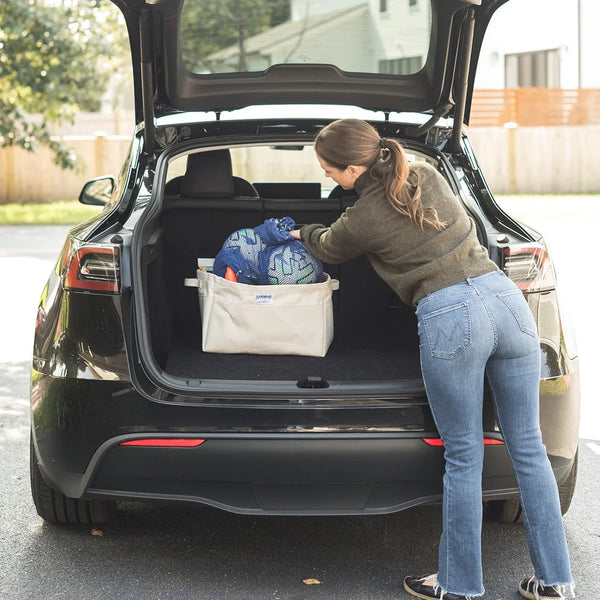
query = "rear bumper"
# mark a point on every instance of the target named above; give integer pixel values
(255, 460)
(282, 474)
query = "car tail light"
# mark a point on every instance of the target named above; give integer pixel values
(94, 268)
(165, 443)
(486, 442)
(529, 266)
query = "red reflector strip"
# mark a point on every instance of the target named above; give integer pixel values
(486, 442)
(164, 443)
(433, 441)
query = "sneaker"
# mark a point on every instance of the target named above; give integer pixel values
(533, 590)
(417, 587)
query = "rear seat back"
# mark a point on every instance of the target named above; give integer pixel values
(289, 190)
(308, 210)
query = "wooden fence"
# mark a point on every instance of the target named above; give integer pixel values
(525, 107)
(550, 148)
(535, 107)
(33, 176)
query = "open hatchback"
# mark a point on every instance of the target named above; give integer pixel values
(126, 404)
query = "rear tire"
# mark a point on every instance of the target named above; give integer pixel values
(55, 507)
(509, 510)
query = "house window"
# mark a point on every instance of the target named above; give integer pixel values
(383, 6)
(412, 2)
(401, 66)
(533, 69)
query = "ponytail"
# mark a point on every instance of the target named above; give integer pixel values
(355, 142)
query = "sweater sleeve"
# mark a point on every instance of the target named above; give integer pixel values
(334, 244)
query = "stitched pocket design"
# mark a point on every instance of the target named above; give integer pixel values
(448, 330)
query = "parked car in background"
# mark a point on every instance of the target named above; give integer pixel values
(127, 405)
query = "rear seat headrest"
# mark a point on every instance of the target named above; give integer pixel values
(208, 175)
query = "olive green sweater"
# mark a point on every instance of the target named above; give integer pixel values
(414, 262)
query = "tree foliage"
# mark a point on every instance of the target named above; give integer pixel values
(57, 57)
(211, 25)
(54, 59)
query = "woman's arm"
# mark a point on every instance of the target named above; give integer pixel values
(334, 244)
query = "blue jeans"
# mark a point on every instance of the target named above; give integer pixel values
(476, 328)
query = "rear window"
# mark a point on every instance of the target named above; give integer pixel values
(373, 36)
(283, 171)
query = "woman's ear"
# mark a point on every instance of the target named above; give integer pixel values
(356, 171)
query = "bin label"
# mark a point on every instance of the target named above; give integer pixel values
(263, 298)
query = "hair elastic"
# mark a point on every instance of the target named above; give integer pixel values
(384, 153)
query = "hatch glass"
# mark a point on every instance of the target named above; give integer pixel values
(241, 36)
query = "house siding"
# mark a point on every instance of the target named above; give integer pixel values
(533, 25)
(333, 42)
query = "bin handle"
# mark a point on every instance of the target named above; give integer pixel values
(334, 284)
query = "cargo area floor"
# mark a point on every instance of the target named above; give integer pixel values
(344, 362)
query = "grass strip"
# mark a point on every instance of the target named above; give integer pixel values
(68, 212)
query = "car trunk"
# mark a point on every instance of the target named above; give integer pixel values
(375, 336)
(371, 349)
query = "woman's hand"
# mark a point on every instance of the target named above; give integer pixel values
(295, 233)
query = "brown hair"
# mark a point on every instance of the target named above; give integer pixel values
(355, 142)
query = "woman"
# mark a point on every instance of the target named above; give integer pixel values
(473, 322)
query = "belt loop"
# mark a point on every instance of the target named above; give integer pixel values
(469, 281)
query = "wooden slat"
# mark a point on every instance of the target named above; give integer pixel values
(534, 107)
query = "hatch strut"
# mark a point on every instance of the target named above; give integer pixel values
(439, 112)
(147, 84)
(462, 78)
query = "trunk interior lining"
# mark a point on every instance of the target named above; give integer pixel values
(375, 334)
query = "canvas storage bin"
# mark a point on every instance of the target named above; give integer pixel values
(265, 319)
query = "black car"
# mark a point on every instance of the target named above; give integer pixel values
(127, 405)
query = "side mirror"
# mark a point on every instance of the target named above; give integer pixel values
(97, 191)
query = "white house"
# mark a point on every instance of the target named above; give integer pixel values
(357, 35)
(530, 43)
(542, 43)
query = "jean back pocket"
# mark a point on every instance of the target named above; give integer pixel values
(448, 330)
(517, 305)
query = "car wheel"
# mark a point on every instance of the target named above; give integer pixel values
(55, 507)
(509, 510)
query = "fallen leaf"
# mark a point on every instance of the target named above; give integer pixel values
(311, 581)
(97, 532)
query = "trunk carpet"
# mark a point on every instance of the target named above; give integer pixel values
(344, 361)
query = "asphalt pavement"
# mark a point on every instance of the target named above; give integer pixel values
(163, 551)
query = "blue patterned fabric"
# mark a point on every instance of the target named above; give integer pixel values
(268, 255)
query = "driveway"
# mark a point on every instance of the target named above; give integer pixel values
(161, 551)
(27, 254)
